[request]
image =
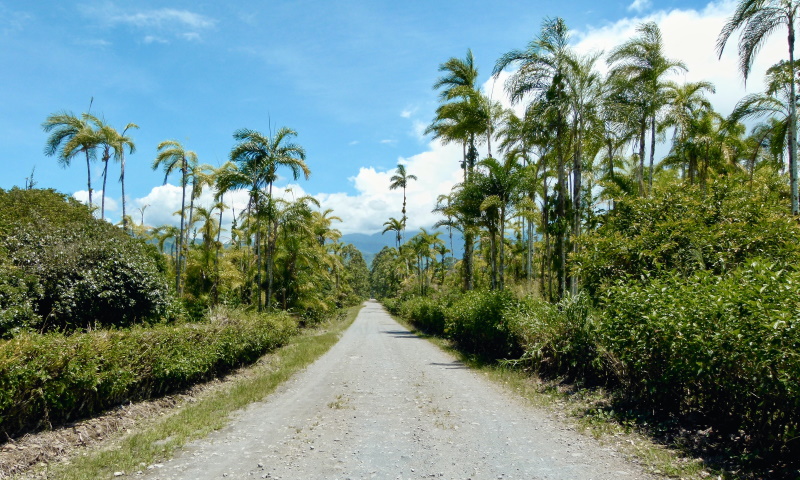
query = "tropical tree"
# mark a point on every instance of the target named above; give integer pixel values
(642, 66)
(757, 19)
(394, 225)
(70, 136)
(172, 156)
(542, 70)
(259, 157)
(400, 180)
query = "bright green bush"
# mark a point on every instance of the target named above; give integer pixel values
(426, 313)
(475, 322)
(684, 229)
(556, 339)
(726, 349)
(53, 378)
(79, 272)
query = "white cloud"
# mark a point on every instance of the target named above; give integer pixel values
(354, 142)
(408, 112)
(436, 169)
(388, 141)
(163, 17)
(639, 6)
(691, 36)
(154, 39)
(97, 197)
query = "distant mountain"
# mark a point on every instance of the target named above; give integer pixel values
(370, 245)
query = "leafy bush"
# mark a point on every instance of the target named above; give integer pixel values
(685, 229)
(556, 339)
(427, 313)
(724, 348)
(80, 272)
(54, 378)
(475, 322)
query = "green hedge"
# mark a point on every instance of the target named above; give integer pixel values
(475, 322)
(53, 378)
(724, 349)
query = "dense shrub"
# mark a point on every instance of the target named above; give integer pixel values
(475, 322)
(53, 378)
(426, 313)
(78, 271)
(726, 349)
(685, 229)
(556, 339)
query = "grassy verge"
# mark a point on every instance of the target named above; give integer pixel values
(583, 408)
(163, 437)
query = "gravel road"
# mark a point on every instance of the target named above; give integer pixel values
(385, 404)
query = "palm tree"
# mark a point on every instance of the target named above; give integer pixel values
(70, 136)
(394, 225)
(686, 104)
(463, 112)
(259, 158)
(171, 157)
(542, 71)
(758, 19)
(400, 180)
(641, 63)
(120, 144)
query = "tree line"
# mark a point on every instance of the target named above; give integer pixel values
(281, 254)
(583, 143)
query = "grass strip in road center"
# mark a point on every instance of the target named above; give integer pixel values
(160, 440)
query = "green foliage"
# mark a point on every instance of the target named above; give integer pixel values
(427, 313)
(54, 378)
(476, 323)
(556, 339)
(725, 348)
(684, 230)
(79, 272)
(18, 292)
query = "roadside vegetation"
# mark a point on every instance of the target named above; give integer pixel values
(668, 284)
(94, 315)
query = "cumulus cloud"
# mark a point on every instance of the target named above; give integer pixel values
(436, 169)
(97, 196)
(691, 36)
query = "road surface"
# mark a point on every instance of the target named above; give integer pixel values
(385, 404)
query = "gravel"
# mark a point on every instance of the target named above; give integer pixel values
(383, 403)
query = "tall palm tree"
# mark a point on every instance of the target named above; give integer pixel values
(542, 72)
(122, 142)
(463, 113)
(400, 180)
(172, 156)
(641, 62)
(686, 102)
(259, 158)
(69, 136)
(757, 19)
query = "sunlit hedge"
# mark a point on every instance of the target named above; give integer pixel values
(53, 378)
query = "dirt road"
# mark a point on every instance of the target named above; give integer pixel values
(385, 404)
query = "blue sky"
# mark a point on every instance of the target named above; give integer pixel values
(353, 78)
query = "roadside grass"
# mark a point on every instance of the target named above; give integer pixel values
(585, 410)
(160, 438)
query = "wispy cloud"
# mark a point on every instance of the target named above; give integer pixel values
(388, 141)
(164, 17)
(12, 20)
(157, 24)
(639, 6)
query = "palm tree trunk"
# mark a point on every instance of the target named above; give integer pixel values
(180, 237)
(501, 269)
(122, 182)
(88, 176)
(269, 248)
(642, 130)
(468, 246)
(792, 124)
(103, 193)
(652, 153)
